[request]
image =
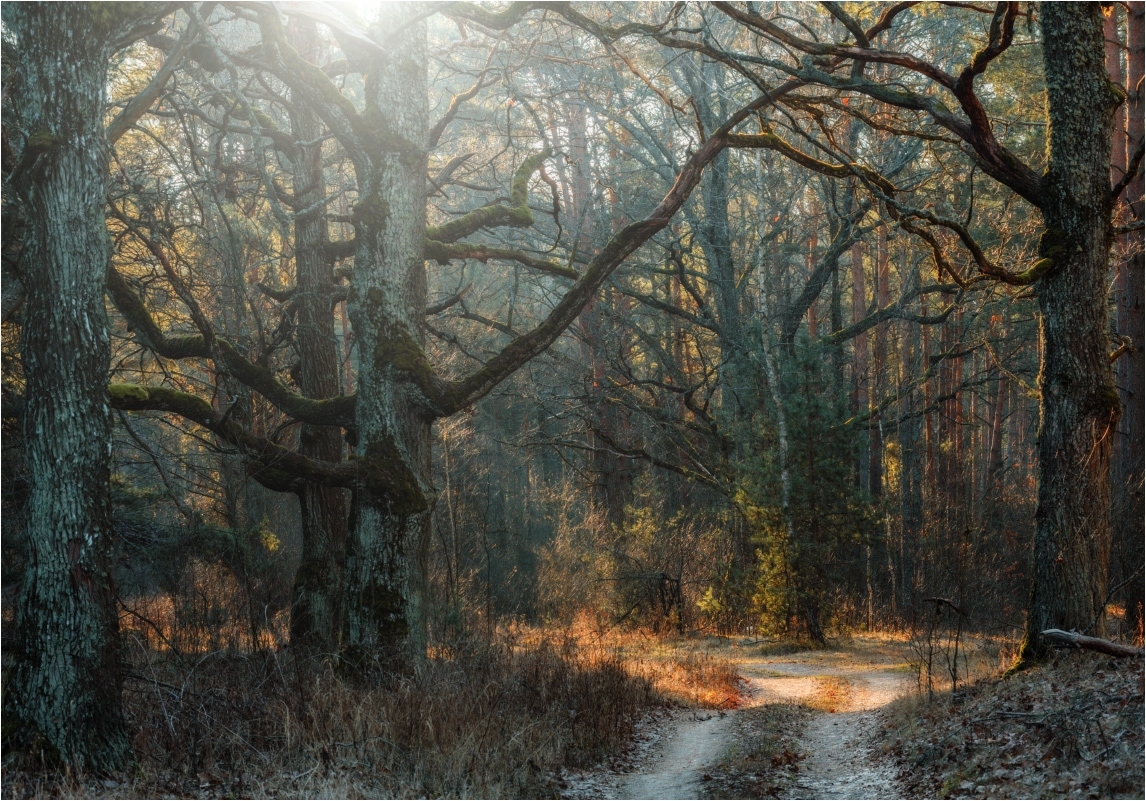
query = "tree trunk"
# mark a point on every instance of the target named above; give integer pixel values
(385, 571)
(63, 696)
(1080, 406)
(1128, 458)
(879, 363)
(911, 465)
(316, 600)
(860, 397)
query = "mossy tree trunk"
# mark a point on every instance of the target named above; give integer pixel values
(389, 536)
(316, 608)
(62, 697)
(1080, 406)
(399, 395)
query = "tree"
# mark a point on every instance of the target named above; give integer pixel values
(1079, 406)
(63, 696)
(399, 394)
(317, 603)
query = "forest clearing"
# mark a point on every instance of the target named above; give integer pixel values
(572, 399)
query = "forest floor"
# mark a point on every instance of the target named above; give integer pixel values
(849, 722)
(674, 717)
(806, 727)
(1069, 729)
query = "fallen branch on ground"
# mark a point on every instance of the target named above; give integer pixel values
(1060, 637)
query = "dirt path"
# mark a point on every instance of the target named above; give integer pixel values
(698, 740)
(839, 762)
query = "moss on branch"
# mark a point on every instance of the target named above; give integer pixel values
(767, 140)
(442, 253)
(323, 412)
(515, 215)
(271, 465)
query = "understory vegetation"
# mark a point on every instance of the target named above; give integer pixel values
(497, 717)
(1070, 729)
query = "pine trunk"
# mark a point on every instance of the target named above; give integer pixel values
(316, 603)
(63, 695)
(1080, 406)
(860, 388)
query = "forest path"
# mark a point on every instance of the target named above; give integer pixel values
(849, 684)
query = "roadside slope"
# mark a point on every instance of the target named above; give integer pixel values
(1072, 729)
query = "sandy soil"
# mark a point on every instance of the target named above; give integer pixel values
(673, 752)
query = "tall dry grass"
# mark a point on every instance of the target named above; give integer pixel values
(495, 717)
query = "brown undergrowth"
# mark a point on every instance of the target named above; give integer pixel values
(1071, 729)
(765, 756)
(496, 718)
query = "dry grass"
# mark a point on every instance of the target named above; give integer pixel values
(1072, 729)
(833, 694)
(766, 754)
(694, 678)
(691, 671)
(479, 719)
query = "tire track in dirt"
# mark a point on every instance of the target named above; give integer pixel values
(840, 760)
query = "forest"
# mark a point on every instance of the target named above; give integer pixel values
(442, 399)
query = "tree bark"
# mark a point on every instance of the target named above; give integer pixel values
(316, 599)
(911, 463)
(1130, 290)
(63, 697)
(387, 546)
(860, 402)
(879, 362)
(1080, 405)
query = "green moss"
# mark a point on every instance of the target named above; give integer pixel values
(1031, 652)
(1036, 271)
(384, 476)
(1052, 244)
(395, 348)
(1052, 247)
(328, 411)
(41, 141)
(371, 212)
(376, 297)
(516, 215)
(519, 193)
(121, 393)
(111, 19)
(1117, 93)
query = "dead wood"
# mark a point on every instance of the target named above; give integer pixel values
(1060, 637)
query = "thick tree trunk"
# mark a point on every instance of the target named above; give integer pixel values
(316, 600)
(1130, 291)
(63, 693)
(1080, 406)
(716, 240)
(385, 570)
(738, 393)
